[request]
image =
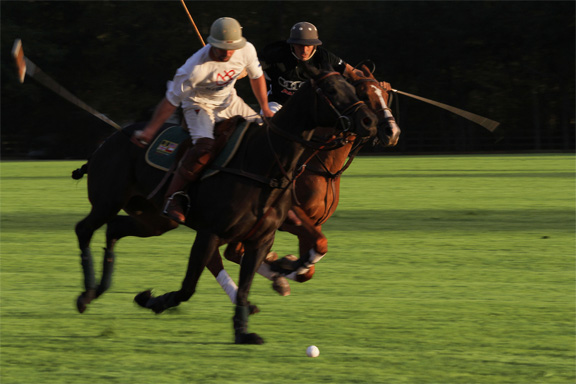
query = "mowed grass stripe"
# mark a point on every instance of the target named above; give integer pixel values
(441, 269)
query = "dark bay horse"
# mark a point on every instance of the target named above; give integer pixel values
(228, 207)
(317, 193)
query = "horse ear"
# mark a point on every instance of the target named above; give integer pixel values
(354, 75)
(367, 71)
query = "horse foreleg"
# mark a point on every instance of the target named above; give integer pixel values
(253, 257)
(234, 252)
(216, 267)
(204, 247)
(312, 243)
(317, 238)
(89, 293)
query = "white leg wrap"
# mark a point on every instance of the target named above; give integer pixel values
(228, 285)
(313, 258)
(265, 271)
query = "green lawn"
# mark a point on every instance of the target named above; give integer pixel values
(441, 269)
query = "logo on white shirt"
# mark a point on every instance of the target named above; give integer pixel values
(224, 78)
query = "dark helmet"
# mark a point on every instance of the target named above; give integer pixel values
(304, 33)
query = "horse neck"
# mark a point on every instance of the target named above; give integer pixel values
(332, 161)
(296, 118)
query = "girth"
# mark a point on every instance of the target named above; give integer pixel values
(273, 183)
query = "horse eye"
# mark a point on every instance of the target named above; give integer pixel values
(332, 92)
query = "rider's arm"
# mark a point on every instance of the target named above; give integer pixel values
(162, 112)
(386, 86)
(260, 92)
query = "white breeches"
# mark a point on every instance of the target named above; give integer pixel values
(201, 118)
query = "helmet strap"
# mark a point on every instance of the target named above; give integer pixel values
(297, 58)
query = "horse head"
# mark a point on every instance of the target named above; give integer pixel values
(338, 99)
(371, 92)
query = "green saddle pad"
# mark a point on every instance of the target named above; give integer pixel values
(229, 149)
(162, 152)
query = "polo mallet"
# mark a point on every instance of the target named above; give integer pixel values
(193, 23)
(490, 125)
(27, 67)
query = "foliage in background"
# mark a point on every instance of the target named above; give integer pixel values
(510, 61)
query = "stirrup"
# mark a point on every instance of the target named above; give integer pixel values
(169, 203)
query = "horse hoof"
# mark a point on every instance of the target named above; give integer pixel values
(146, 300)
(306, 275)
(253, 309)
(248, 338)
(142, 298)
(81, 304)
(84, 299)
(271, 257)
(280, 284)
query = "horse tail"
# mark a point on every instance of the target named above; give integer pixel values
(77, 174)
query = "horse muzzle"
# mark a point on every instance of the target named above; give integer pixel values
(388, 134)
(365, 122)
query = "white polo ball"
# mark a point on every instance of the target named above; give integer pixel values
(312, 351)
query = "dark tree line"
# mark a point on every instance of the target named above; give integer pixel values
(511, 61)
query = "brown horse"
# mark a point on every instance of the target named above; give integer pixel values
(246, 202)
(316, 196)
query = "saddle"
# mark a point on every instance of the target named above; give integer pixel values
(170, 145)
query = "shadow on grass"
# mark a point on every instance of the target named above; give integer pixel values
(453, 220)
(34, 221)
(362, 220)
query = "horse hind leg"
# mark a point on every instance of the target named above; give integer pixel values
(203, 249)
(147, 224)
(100, 214)
(107, 271)
(84, 231)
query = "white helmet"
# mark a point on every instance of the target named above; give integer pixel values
(226, 33)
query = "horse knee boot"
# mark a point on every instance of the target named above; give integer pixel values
(191, 166)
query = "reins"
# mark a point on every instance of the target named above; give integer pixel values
(271, 127)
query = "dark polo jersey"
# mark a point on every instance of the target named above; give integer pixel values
(286, 74)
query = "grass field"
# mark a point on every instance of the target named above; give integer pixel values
(441, 269)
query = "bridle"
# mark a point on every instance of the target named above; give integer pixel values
(370, 80)
(342, 117)
(334, 142)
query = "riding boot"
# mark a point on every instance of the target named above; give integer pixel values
(190, 168)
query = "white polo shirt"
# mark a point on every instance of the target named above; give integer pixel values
(202, 80)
